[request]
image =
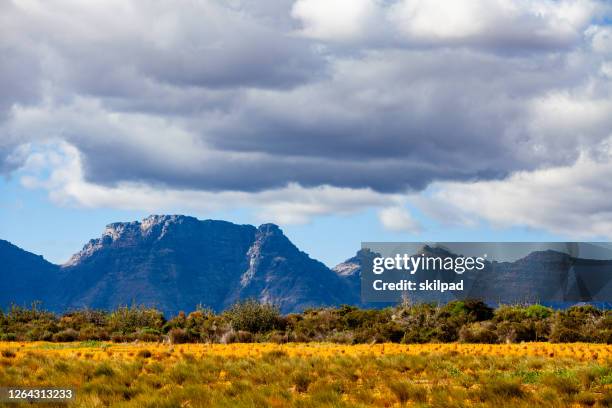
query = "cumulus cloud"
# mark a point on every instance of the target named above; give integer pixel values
(339, 104)
(498, 23)
(337, 20)
(398, 219)
(601, 39)
(571, 201)
(505, 25)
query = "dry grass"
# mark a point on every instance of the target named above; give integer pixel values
(316, 374)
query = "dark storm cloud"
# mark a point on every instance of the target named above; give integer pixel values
(257, 175)
(251, 96)
(215, 49)
(246, 60)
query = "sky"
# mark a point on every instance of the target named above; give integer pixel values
(340, 120)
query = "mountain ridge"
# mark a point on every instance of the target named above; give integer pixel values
(24, 274)
(175, 262)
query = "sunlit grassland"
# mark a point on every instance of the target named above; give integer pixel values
(315, 374)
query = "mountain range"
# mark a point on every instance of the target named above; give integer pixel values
(176, 262)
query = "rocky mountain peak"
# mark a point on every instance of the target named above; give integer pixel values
(269, 237)
(129, 234)
(352, 266)
(163, 221)
(119, 230)
(546, 255)
(266, 234)
(438, 251)
(269, 230)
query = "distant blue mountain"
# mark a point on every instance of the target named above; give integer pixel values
(25, 277)
(548, 277)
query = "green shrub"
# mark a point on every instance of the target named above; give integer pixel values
(240, 336)
(122, 338)
(278, 337)
(148, 334)
(514, 332)
(563, 334)
(580, 323)
(479, 332)
(538, 312)
(253, 316)
(66, 336)
(8, 337)
(420, 323)
(178, 336)
(130, 319)
(471, 310)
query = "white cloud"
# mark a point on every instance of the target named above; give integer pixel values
(337, 19)
(606, 69)
(491, 23)
(433, 19)
(572, 201)
(569, 122)
(601, 39)
(398, 219)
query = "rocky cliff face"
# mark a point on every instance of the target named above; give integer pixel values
(350, 270)
(280, 273)
(178, 262)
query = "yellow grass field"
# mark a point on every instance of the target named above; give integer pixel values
(315, 374)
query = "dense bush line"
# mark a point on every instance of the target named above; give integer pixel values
(250, 321)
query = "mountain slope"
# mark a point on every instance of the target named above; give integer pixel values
(281, 273)
(549, 276)
(25, 277)
(177, 262)
(350, 270)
